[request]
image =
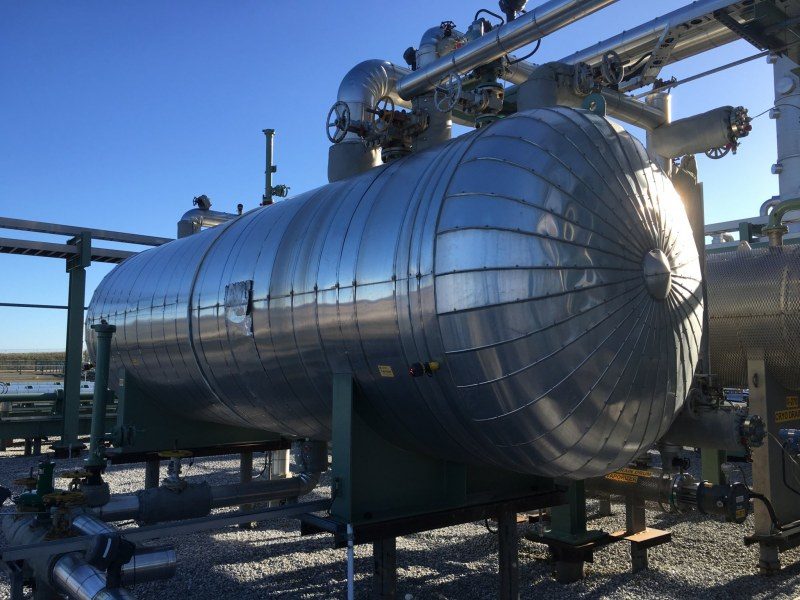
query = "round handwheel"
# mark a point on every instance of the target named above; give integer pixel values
(382, 114)
(611, 68)
(447, 93)
(717, 153)
(338, 122)
(175, 454)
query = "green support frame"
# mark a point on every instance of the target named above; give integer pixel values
(374, 480)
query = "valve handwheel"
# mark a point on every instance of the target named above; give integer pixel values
(338, 122)
(382, 114)
(612, 69)
(717, 153)
(447, 93)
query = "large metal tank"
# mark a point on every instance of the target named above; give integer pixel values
(544, 261)
(754, 302)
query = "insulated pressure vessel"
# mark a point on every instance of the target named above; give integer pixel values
(754, 303)
(543, 263)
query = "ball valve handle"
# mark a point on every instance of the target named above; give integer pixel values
(338, 122)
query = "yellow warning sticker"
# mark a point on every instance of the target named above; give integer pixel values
(741, 513)
(637, 472)
(791, 402)
(622, 477)
(792, 414)
(385, 371)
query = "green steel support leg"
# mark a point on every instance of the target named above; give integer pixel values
(711, 461)
(76, 266)
(508, 554)
(104, 333)
(384, 576)
(569, 520)
(569, 525)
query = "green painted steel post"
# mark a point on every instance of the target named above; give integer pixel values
(76, 265)
(569, 520)
(104, 333)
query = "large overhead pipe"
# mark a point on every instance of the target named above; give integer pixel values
(642, 39)
(533, 25)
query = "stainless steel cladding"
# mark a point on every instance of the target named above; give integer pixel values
(754, 302)
(543, 261)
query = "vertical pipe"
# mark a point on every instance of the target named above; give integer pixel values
(269, 169)
(662, 101)
(351, 592)
(787, 126)
(104, 333)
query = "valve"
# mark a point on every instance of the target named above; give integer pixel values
(338, 122)
(173, 479)
(382, 115)
(611, 68)
(447, 93)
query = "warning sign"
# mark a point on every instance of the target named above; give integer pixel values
(637, 472)
(385, 371)
(622, 477)
(791, 414)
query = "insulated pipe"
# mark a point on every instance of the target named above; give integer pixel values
(149, 563)
(194, 220)
(641, 39)
(712, 129)
(81, 581)
(533, 25)
(551, 84)
(720, 429)
(262, 491)
(197, 500)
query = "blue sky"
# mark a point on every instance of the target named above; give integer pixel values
(116, 114)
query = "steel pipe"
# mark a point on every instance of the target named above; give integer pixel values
(720, 429)
(533, 25)
(152, 563)
(262, 491)
(698, 133)
(552, 85)
(81, 581)
(194, 220)
(641, 39)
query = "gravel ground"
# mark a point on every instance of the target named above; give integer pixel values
(706, 558)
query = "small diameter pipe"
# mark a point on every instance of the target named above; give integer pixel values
(775, 229)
